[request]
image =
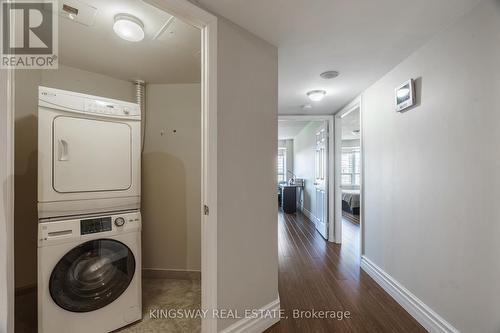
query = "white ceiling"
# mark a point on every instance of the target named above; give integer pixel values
(361, 39)
(350, 123)
(289, 129)
(172, 58)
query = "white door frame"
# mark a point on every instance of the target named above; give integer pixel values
(7, 201)
(207, 23)
(331, 179)
(355, 104)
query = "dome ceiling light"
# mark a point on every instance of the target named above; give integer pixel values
(316, 95)
(129, 27)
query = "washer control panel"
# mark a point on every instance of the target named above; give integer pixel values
(92, 226)
(64, 231)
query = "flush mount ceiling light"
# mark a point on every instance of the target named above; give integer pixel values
(129, 27)
(306, 107)
(329, 75)
(316, 95)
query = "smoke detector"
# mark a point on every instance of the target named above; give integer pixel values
(329, 75)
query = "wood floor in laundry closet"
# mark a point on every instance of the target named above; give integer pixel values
(156, 294)
(317, 274)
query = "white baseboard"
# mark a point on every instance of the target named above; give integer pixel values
(256, 325)
(309, 215)
(429, 319)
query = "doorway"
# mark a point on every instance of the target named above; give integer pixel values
(206, 27)
(348, 178)
(305, 170)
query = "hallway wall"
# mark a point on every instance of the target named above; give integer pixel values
(431, 174)
(247, 123)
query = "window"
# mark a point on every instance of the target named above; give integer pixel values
(351, 167)
(281, 171)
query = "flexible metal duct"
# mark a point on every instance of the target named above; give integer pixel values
(140, 98)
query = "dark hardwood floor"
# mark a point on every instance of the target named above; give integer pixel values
(316, 274)
(350, 217)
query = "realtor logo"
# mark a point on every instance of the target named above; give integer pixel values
(29, 34)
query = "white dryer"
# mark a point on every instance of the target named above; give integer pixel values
(89, 154)
(89, 273)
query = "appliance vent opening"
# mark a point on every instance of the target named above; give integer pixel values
(70, 10)
(77, 11)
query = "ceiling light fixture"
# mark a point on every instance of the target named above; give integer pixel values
(129, 27)
(329, 75)
(316, 95)
(306, 107)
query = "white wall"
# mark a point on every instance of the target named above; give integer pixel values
(247, 145)
(432, 181)
(171, 177)
(304, 162)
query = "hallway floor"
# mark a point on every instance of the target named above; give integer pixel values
(316, 274)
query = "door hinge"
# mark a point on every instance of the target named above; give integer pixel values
(206, 210)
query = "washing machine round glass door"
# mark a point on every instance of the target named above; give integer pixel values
(92, 275)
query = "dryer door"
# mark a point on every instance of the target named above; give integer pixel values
(91, 155)
(92, 275)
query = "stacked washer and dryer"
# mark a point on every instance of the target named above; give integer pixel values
(89, 231)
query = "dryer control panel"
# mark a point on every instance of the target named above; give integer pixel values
(109, 108)
(82, 103)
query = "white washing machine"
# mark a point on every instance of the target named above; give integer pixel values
(89, 154)
(89, 273)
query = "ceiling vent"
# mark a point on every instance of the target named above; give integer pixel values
(165, 27)
(77, 11)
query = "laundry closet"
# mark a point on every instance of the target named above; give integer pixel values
(108, 174)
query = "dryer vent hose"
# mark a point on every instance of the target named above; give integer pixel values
(140, 98)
